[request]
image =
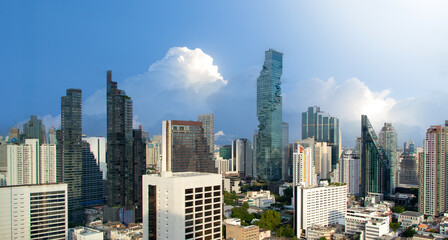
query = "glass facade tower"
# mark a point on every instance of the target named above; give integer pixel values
(69, 149)
(388, 141)
(119, 156)
(324, 128)
(269, 113)
(34, 128)
(375, 165)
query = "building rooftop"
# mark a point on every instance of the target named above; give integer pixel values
(411, 214)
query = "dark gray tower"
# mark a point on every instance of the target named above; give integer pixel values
(69, 148)
(119, 156)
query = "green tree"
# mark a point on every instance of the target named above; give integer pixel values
(322, 238)
(409, 232)
(243, 214)
(270, 219)
(398, 209)
(230, 198)
(285, 231)
(394, 226)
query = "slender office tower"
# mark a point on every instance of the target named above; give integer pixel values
(69, 149)
(208, 124)
(269, 113)
(388, 141)
(375, 167)
(433, 172)
(119, 156)
(33, 129)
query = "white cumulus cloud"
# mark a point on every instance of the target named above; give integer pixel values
(175, 87)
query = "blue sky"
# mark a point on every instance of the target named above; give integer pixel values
(387, 59)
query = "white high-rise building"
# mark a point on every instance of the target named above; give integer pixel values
(303, 166)
(208, 123)
(242, 156)
(47, 163)
(350, 164)
(98, 148)
(321, 157)
(33, 211)
(29, 163)
(184, 205)
(321, 205)
(154, 150)
(372, 224)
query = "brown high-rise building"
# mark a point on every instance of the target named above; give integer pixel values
(433, 172)
(185, 148)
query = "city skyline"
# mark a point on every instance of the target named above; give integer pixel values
(376, 72)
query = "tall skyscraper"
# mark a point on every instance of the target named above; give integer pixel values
(242, 157)
(269, 113)
(139, 157)
(69, 148)
(120, 205)
(388, 141)
(208, 123)
(285, 151)
(185, 148)
(92, 179)
(375, 168)
(321, 157)
(324, 128)
(433, 184)
(34, 128)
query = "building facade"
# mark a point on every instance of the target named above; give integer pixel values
(34, 211)
(98, 148)
(208, 123)
(433, 172)
(120, 205)
(303, 166)
(323, 128)
(92, 179)
(323, 205)
(242, 157)
(269, 113)
(185, 148)
(388, 141)
(35, 129)
(375, 165)
(369, 223)
(28, 163)
(69, 151)
(186, 205)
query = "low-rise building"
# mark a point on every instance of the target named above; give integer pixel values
(231, 184)
(236, 232)
(315, 232)
(370, 223)
(262, 199)
(444, 228)
(84, 233)
(410, 218)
